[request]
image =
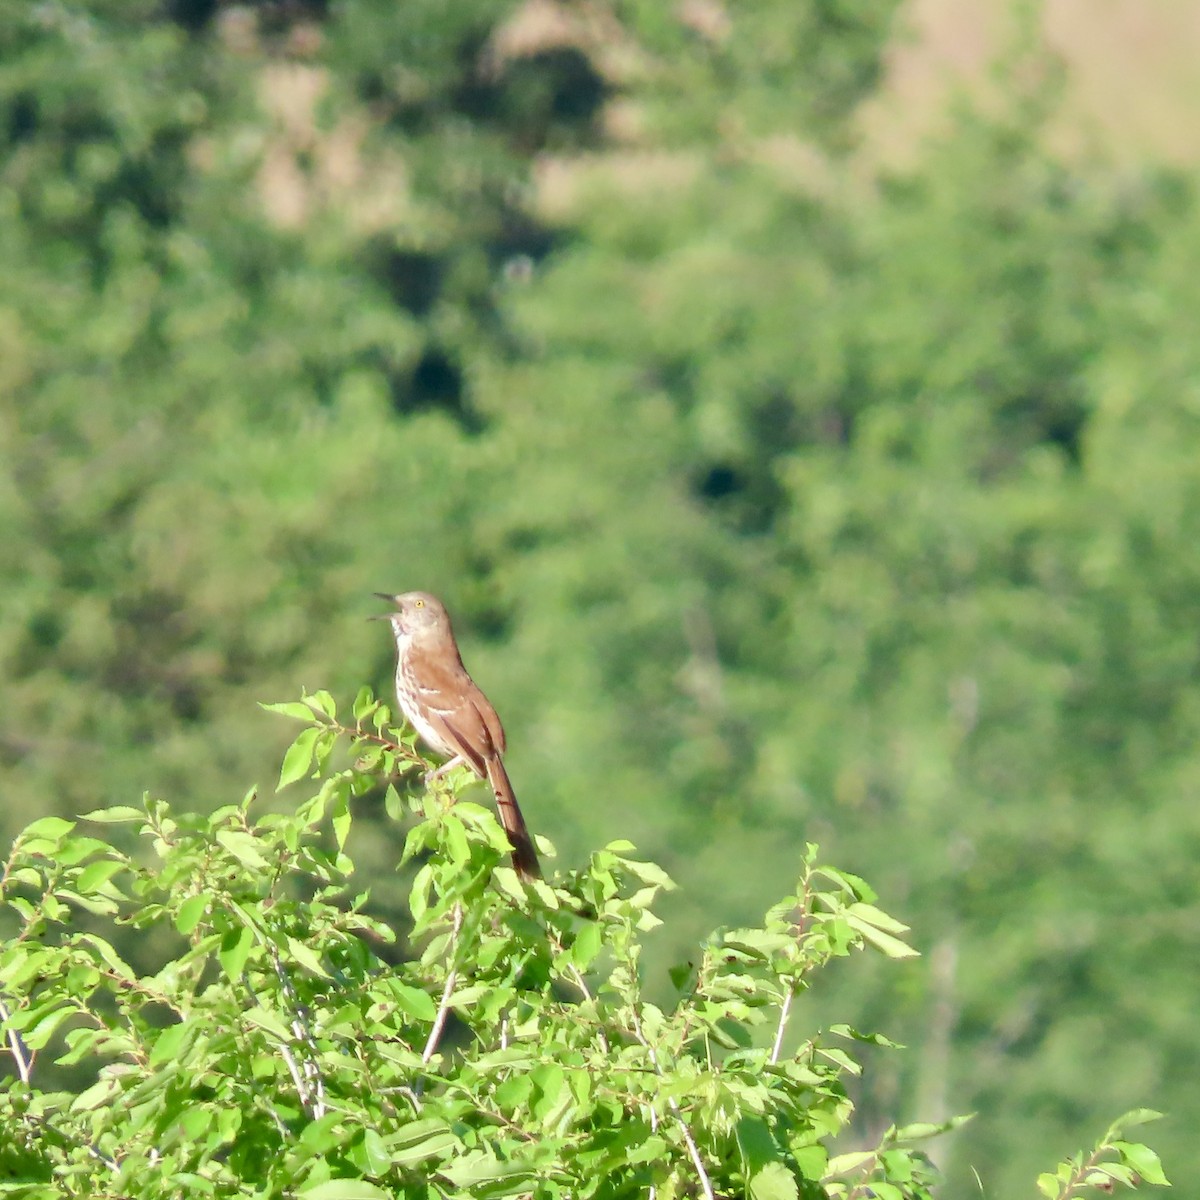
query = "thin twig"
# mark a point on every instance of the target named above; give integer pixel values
(439, 1022)
(110, 1163)
(17, 1048)
(44, 1125)
(581, 984)
(285, 1133)
(310, 1087)
(784, 1009)
(677, 1112)
(653, 1195)
(1079, 1176)
(297, 1076)
(407, 753)
(408, 1093)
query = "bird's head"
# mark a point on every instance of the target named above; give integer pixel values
(414, 614)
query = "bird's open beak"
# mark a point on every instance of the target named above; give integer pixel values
(384, 616)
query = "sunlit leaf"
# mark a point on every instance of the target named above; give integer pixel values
(298, 758)
(773, 1182)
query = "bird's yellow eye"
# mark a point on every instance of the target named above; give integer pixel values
(419, 603)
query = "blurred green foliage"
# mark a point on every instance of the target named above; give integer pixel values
(776, 500)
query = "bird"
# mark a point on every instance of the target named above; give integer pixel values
(449, 712)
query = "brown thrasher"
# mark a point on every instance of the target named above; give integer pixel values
(444, 705)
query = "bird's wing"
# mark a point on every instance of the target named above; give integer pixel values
(466, 727)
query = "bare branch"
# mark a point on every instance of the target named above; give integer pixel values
(784, 1009)
(439, 1022)
(17, 1048)
(677, 1112)
(310, 1087)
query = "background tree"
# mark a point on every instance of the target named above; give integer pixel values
(779, 498)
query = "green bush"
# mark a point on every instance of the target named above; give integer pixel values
(284, 1046)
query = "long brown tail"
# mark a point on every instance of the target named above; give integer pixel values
(524, 856)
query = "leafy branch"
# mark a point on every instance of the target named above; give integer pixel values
(1112, 1161)
(265, 1047)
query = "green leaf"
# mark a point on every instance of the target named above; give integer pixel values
(325, 1134)
(364, 703)
(855, 885)
(892, 947)
(269, 1022)
(168, 1044)
(94, 904)
(872, 1039)
(841, 1059)
(1143, 1160)
(190, 912)
(589, 941)
(108, 955)
(52, 828)
(298, 758)
(454, 836)
(919, 1131)
(114, 815)
(324, 748)
(1106, 1173)
(468, 995)
(435, 1146)
(100, 1093)
(419, 1140)
(38, 1034)
(756, 944)
(342, 819)
(235, 949)
(304, 955)
(1136, 1116)
(549, 1079)
(650, 1150)
(514, 1091)
(877, 917)
(773, 1182)
(291, 708)
(97, 873)
(649, 872)
(683, 976)
(481, 1166)
(731, 1033)
(412, 1000)
(344, 1189)
(506, 880)
(1048, 1185)
(812, 1160)
(244, 847)
(371, 1154)
(846, 1164)
(756, 1143)
(76, 850)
